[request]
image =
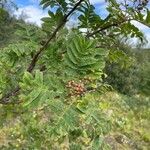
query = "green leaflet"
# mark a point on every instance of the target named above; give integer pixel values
(96, 143)
(83, 57)
(66, 117)
(33, 89)
(148, 17)
(27, 77)
(33, 96)
(39, 77)
(21, 49)
(36, 89)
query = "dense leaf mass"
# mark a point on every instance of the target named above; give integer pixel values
(81, 87)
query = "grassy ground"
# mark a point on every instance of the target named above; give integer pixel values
(129, 118)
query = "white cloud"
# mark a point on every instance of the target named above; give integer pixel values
(139, 25)
(144, 29)
(35, 1)
(34, 14)
(97, 1)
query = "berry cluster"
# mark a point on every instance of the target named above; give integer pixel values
(78, 88)
(75, 88)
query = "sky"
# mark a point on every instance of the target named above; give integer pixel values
(35, 13)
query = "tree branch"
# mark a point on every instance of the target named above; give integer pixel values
(6, 98)
(62, 23)
(107, 27)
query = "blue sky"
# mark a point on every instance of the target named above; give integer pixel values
(35, 12)
(23, 2)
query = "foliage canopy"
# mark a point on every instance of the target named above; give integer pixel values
(63, 69)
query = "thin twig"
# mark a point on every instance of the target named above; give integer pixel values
(105, 27)
(6, 99)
